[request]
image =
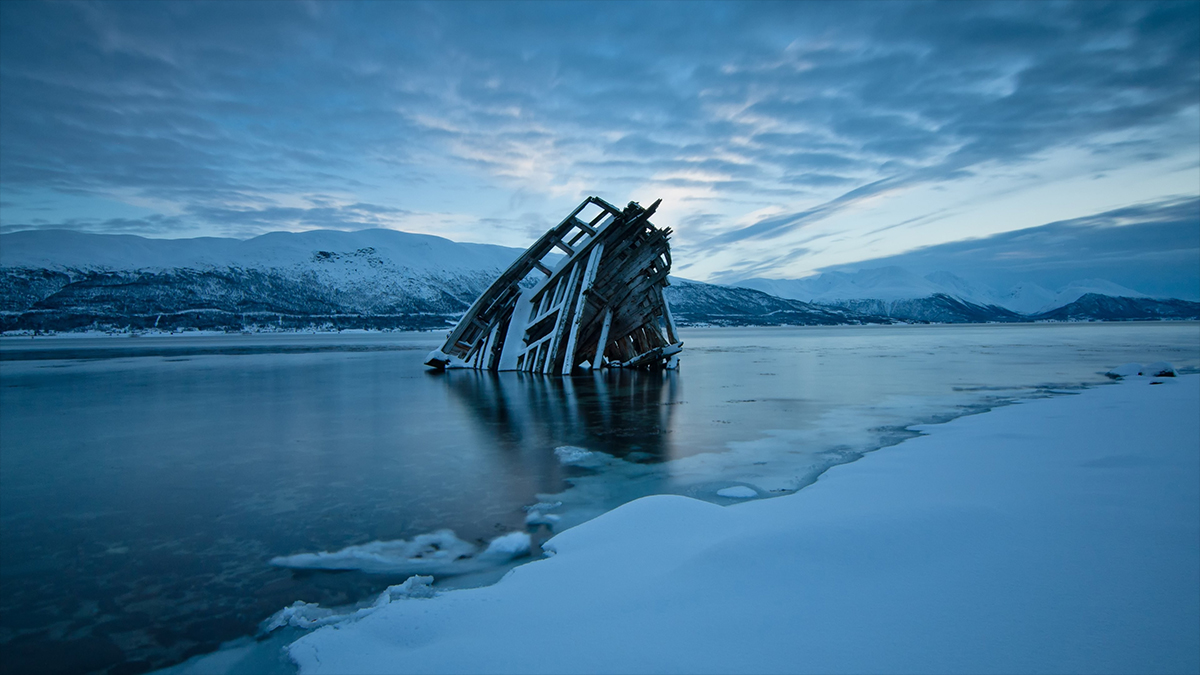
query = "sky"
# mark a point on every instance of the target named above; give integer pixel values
(783, 138)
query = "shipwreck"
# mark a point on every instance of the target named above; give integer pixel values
(587, 295)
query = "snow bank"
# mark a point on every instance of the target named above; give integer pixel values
(1059, 535)
(440, 553)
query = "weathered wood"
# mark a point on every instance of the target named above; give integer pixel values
(602, 342)
(560, 324)
(589, 276)
(610, 284)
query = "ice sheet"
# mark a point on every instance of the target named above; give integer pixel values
(1058, 535)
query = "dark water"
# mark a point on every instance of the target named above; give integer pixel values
(146, 483)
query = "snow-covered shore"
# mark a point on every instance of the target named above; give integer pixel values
(1058, 535)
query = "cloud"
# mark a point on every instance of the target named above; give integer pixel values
(229, 117)
(237, 222)
(1151, 247)
(152, 225)
(775, 226)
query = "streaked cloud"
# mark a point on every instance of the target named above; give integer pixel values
(783, 137)
(1153, 248)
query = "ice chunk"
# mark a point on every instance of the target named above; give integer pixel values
(439, 357)
(1127, 370)
(1160, 369)
(1156, 369)
(536, 514)
(300, 614)
(539, 518)
(433, 553)
(440, 553)
(570, 455)
(507, 547)
(738, 492)
(416, 586)
(309, 615)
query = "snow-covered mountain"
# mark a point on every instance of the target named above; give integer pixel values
(1091, 306)
(62, 280)
(893, 292)
(940, 296)
(884, 283)
(58, 280)
(693, 303)
(417, 253)
(1026, 298)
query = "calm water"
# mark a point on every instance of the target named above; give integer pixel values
(145, 483)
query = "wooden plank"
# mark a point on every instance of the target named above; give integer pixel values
(585, 285)
(532, 346)
(603, 341)
(648, 357)
(560, 324)
(563, 245)
(490, 348)
(672, 331)
(586, 227)
(578, 235)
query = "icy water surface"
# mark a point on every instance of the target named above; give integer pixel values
(147, 483)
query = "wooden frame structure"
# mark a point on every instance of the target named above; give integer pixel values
(599, 305)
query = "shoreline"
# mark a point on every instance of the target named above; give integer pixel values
(1057, 534)
(15, 335)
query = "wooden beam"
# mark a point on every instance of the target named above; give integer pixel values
(585, 227)
(585, 286)
(603, 341)
(563, 245)
(560, 324)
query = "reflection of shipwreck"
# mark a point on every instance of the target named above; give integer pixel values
(600, 305)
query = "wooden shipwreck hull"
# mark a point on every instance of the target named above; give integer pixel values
(599, 305)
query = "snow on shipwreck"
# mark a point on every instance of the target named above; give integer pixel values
(600, 305)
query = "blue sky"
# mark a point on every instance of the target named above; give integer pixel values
(784, 138)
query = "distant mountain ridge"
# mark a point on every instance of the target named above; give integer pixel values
(58, 280)
(942, 296)
(62, 280)
(65, 280)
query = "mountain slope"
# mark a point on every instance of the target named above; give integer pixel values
(694, 303)
(374, 278)
(885, 283)
(53, 281)
(1096, 307)
(944, 297)
(59, 280)
(67, 250)
(937, 308)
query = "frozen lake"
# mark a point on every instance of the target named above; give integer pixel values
(146, 483)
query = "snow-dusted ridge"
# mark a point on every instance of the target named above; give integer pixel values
(889, 284)
(422, 253)
(58, 280)
(63, 280)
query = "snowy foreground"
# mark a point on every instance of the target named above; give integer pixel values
(1058, 535)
